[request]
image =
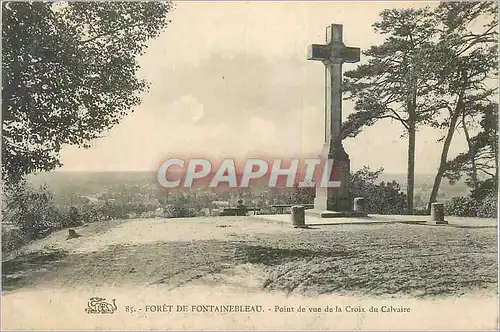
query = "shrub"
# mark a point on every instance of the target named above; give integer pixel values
(13, 239)
(32, 210)
(180, 207)
(303, 195)
(70, 217)
(179, 211)
(488, 207)
(89, 213)
(112, 211)
(461, 206)
(420, 212)
(382, 198)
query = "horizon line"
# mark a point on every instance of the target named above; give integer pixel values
(155, 171)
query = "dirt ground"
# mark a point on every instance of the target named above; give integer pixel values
(377, 262)
(390, 259)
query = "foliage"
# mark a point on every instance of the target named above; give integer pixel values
(304, 195)
(466, 59)
(461, 206)
(394, 84)
(13, 239)
(488, 207)
(180, 211)
(89, 213)
(380, 198)
(73, 216)
(479, 163)
(432, 69)
(69, 74)
(31, 210)
(180, 208)
(470, 207)
(29, 213)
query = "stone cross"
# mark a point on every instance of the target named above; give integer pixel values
(334, 202)
(333, 55)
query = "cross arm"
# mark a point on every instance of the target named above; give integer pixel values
(324, 52)
(351, 54)
(318, 52)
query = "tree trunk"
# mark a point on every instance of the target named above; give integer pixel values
(472, 156)
(495, 151)
(412, 124)
(411, 168)
(443, 159)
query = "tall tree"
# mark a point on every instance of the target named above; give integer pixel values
(395, 84)
(465, 58)
(480, 162)
(69, 75)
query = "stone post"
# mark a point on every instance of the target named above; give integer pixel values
(437, 213)
(242, 209)
(359, 204)
(298, 216)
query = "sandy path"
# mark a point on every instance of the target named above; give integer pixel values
(232, 260)
(145, 231)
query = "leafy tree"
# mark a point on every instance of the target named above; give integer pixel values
(69, 74)
(394, 84)
(465, 60)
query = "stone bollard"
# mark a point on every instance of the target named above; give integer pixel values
(72, 234)
(437, 213)
(359, 204)
(298, 216)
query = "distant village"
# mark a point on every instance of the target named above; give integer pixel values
(142, 203)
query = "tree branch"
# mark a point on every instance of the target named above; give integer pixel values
(107, 34)
(398, 117)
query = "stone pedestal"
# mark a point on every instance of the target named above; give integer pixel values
(335, 202)
(335, 199)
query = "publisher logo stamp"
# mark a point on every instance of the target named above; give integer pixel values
(98, 305)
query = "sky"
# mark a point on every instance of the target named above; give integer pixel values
(231, 79)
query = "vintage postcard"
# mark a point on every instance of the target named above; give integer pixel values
(249, 165)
